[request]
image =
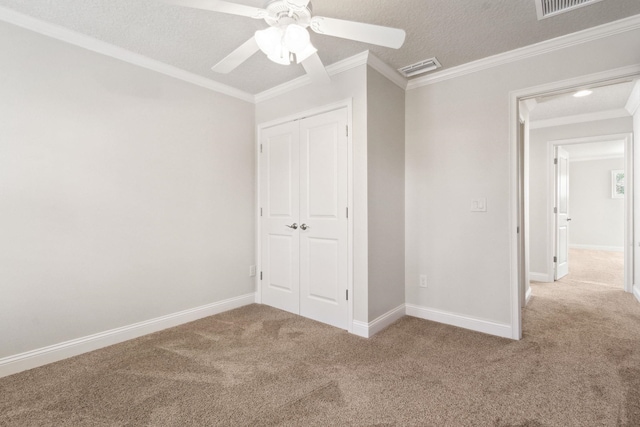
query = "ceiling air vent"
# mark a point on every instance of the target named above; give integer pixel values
(420, 67)
(547, 8)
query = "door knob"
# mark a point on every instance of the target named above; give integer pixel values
(293, 226)
(304, 226)
(568, 219)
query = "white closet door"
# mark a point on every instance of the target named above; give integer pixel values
(323, 218)
(280, 197)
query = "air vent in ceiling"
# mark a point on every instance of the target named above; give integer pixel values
(420, 67)
(547, 8)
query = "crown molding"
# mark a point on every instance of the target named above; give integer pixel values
(94, 45)
(362, 58)
(579, 118)
(547, 46)
(333, 69)
(633, 103)
(386, 70)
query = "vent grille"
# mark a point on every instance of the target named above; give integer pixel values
(420, 67)
(547, 8)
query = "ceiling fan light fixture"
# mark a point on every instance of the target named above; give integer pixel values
(296, 38)
(269, 40)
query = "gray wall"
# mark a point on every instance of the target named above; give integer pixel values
(458, 149)
(597, 220)
(385, 171)
(540, 199)
(115, 194)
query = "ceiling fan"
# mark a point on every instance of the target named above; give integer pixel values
(287, 39)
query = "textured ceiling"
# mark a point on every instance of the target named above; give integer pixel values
(454, 31)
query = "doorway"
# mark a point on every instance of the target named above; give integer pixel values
(523, 239)
(304, 225)
(592, 216)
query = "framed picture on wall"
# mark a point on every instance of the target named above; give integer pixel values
(617, 184)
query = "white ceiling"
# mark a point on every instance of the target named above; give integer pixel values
(604, 98)
(454, 31)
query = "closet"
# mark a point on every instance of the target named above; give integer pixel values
(304, 217)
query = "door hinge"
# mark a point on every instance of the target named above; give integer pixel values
(347, 294)
(518, 230)
(555, 259)
(260, 211)
(261, 148)
(347, 212)
(261, 275)
(555, 210)
(555, 161)
(347, 129)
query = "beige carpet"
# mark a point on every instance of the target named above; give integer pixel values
(578, 365)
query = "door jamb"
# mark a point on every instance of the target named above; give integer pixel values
(348, 104)
(515, 97)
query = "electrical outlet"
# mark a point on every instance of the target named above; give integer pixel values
(423, 280)
(252, 270)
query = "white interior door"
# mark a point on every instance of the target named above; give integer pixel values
(280, 206)
(304, 217)
(323, 217)
(562, 213)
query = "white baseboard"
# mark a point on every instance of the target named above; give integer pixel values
(367, 330)
(636, 292)
(527, 296)
(540, 277)
(53, 353)
(598, 248)
(479, 325)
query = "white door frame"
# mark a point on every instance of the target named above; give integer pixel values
(515, 173)
(627, 138)
(348, 104)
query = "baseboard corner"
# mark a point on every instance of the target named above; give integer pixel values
(527, 296)
(460, 321)
(636, 292)
(539, 277)
(367, 330)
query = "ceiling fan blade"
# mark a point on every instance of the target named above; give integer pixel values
(237, 57)
(222, 6)
(367, 33)
(315, 69)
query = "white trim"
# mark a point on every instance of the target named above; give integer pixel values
(386, 70)
(53, 353)
(580, 118)
(348, 104)
(107, 49)
(333, 69)
(367, 330)
(540, 277)
(636, 292)
(633, 103)
(528, 295)
(590, 34)
(479, 325)
(598, 248)
(362, 58)
(596, 158)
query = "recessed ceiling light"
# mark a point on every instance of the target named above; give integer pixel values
(582, 93)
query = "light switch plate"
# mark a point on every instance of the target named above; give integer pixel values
(479, 205)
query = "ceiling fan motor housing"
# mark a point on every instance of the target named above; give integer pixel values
(280, 13)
